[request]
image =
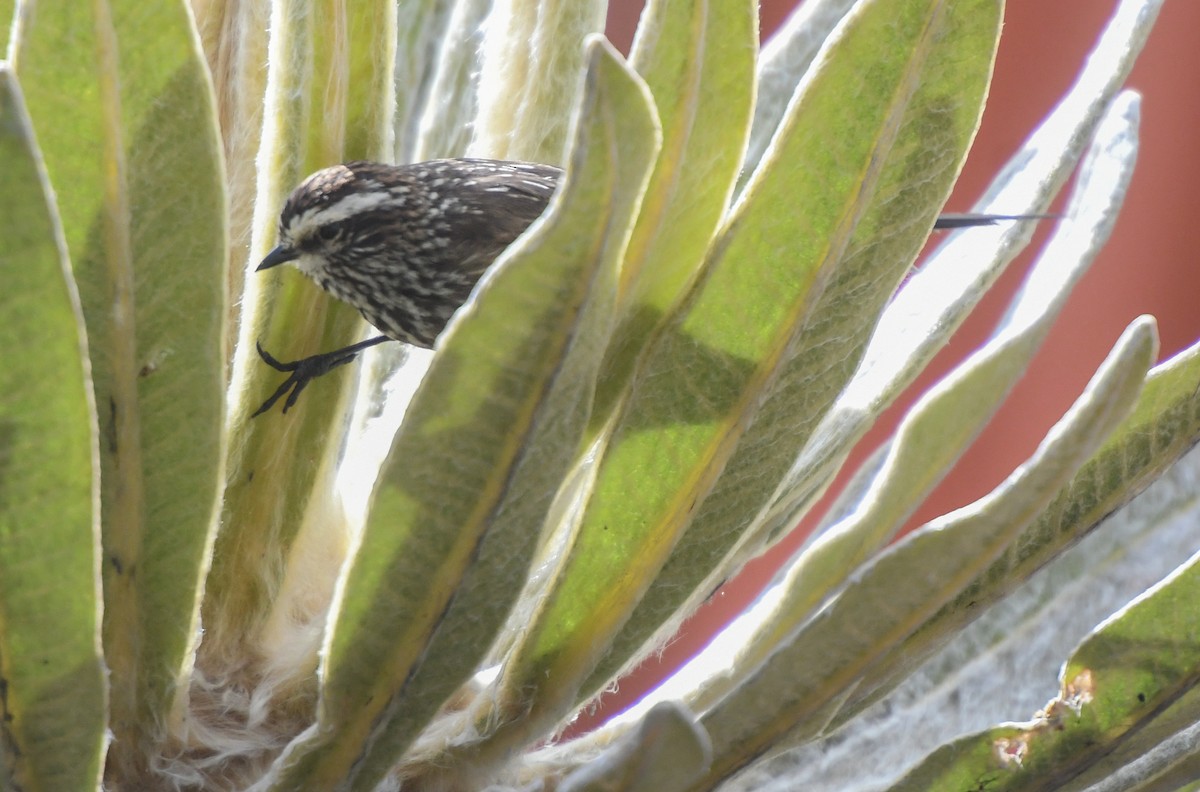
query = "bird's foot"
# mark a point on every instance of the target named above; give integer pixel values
(303, 371)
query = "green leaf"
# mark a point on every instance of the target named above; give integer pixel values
(51, 674)
(233, 36)
(951, 414)
(370, 87)
(790, 697)
(812, 253)
(1161, 428)
(962, 687)
(329, 99)
(6, 18)
(785, 60)
(1130, 685)
(484, 445)
(698, 61)
(666, 753)
(936, 299)
(438, 77)
(532, 63)
(1155, 754)
(119, 96)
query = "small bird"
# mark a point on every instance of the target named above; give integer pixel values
(405, 244)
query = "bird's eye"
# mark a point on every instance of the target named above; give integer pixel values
(329, 232)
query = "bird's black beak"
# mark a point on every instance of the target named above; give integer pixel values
(280, 255)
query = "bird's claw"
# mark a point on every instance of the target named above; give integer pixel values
(302, 372)
(305, 370)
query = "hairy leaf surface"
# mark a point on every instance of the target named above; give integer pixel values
(53, 679)
(120, 99)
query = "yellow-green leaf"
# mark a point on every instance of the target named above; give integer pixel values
(1127, 689)
(698, 60)
(530, 81)
(6, 16)
(120, 99)
(726, 396)
(51, 674)
(791, 696)
(786, 58)
(948, 417)
(937, 298)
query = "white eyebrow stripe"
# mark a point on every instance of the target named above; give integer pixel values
(334, 213)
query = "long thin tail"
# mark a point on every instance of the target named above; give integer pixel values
(970, 220)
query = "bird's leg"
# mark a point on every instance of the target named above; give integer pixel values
(307, 369)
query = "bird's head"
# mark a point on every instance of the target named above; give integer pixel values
(324, 217)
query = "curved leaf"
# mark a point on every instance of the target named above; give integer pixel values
(785, 60)
(951, 414)
(143, 212)
(52, 678)
(791, 696)
(1138, 668)
(530, 80)
(796, 333)
(698, 61)
(936, 299)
